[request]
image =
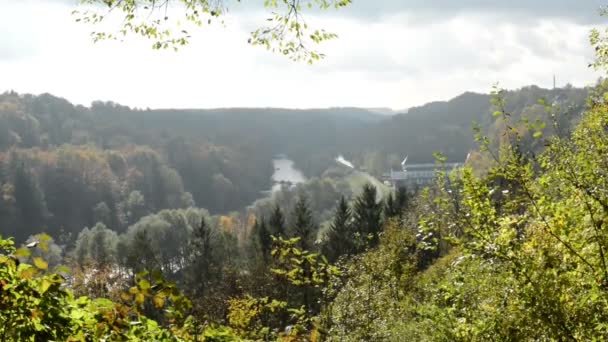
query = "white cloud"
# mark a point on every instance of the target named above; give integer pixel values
(396, 61)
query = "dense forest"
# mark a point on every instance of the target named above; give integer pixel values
(117, 194)
(129, 224)
(66, 167)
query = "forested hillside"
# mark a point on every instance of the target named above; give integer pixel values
(161, 215)
(67, 167)
(273, 224)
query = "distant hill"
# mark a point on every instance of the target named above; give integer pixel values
(312, 137)
(446, 126)
(117, 164)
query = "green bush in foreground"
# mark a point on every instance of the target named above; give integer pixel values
(35, 305)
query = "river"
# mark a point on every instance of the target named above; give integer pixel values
(285, 173)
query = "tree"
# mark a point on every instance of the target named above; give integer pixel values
(135, 206)
(396, 204)
(29, 198)
(202, 255)
(390, 207)
(262, 238)
(367, 215)
(276, 222)
(141, 256)
(340, 238)
(98, 244)
(265, 239)
(286, 31)
(37, 304)
(102, 213)
(46, 248)
(302, 225)
(402, 199)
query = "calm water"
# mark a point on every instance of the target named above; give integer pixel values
(284, 171)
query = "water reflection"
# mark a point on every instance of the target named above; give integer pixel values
(285, 174)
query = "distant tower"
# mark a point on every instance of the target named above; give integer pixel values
(554, 82)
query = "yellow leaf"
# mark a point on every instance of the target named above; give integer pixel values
(144, 284)
(44, 285)
(139, 298)
(22, 252)
(40, 263)
(62, 269)
(44, 237)
(159, 301)
(26, 272)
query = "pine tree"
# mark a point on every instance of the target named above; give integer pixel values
(276, 223)
(367, 216)
(302, 223)
(202, 256)
(340, 238)
(396, 204)
(391, 208)
(402, 199)
(263, 238)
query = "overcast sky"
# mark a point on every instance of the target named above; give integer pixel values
(390, 53)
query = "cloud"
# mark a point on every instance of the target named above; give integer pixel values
(400, 59)
(433, 10)
(579, 10)
(584, 10)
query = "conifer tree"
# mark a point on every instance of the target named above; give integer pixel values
(396, 204)
(302, 223)
(276, 222)
(390, 207)
(367, 215)
(263, 239)
(402, 199)
(202, 255)
(340, 238)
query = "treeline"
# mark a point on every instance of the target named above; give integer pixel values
(63, 190)
(224, 272)
(118, 190)
(511, 250)
(446, 127)
(240, 169)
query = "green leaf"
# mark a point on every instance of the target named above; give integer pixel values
(62, 269)
(538, 134)
(40, 263)
(22, 253)
(26, 271)
(159, 301)
(139, 297)
(144, 284)
(44, 285)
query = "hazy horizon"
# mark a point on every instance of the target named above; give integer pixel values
(395, 54)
